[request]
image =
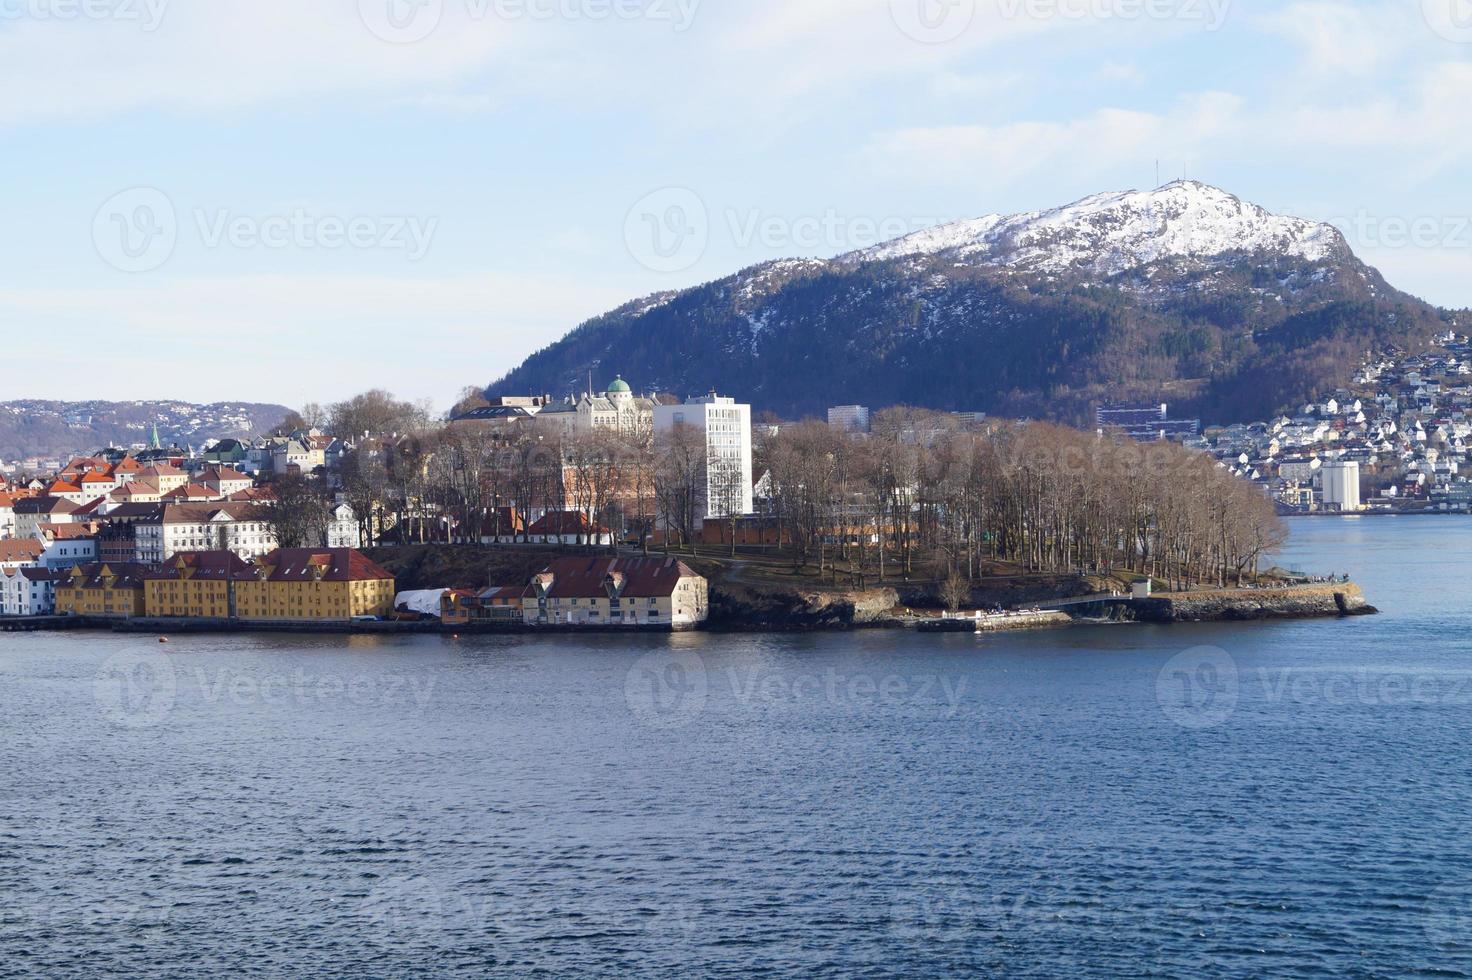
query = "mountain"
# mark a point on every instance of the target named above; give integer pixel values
(1185, 293)
(52, 429)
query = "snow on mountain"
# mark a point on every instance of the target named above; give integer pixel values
(1108, 234)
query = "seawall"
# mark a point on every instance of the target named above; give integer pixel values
(1299, 602)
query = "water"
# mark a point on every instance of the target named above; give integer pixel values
(1236, 800)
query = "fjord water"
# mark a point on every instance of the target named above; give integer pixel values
(1283, 799)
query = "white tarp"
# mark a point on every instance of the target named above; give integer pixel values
(425, 602)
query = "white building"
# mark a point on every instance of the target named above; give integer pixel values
(1342, 487)
(616, 410)
(343, 530)
(7, 516)
(849, 418)
(727, 429)
(28, 591)
(242, 528)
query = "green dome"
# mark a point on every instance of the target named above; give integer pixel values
(620, 387)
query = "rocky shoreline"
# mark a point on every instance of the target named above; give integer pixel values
(1300, 602)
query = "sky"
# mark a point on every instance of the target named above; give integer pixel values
(296, 200)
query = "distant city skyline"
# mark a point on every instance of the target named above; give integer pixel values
(274, 201)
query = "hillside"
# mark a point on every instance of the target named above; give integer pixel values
(1185, 293)
(52, 429)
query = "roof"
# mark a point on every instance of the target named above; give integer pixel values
(21, 549)
(45, 505)
(67, 532)
(137, 488)
(502, 592)
(565, 522)
(620, 387)
(192, 491)
(205, 513)
(215, 565)
(127, 575)
(586, 578)
(335, 564)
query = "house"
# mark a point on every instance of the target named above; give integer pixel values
(102, 589)
(617, 592)
(7, 516)
(225, 481)
(242, 528)
(500, 605)
(29, 591)
(30, 514)
(343, 530)
(316, 584)
(192, 493)
(202, 584)
(164, 475)
(568, 527)
(136, 492)
(20, 552)
(66, 545)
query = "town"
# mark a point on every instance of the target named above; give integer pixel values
(599, 491)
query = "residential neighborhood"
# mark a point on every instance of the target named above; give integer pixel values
(1396, 440)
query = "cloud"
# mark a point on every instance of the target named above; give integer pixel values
(222, 54)
(1342, 39)
(1010, 152)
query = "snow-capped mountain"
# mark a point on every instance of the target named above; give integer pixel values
(1184, 293)
(1109, 234)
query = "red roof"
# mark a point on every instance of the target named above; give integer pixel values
(60, 487)
(95, 477)
(589, 578)
(21, 549)
(335, 564)
(565, 523)
(217, 565)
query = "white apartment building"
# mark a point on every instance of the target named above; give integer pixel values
(727, 429)
(242, 528)
(850, 418)
(28, 591)
(1342, 487)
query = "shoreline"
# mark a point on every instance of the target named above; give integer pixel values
(1320, 601)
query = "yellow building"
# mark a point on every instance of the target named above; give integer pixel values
(295, 584)
(316, 584)
(110, 589)
(201, 584)
(661, 593)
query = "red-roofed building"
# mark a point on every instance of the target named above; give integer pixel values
(568, 527)
(192, 493)
(316, 584)
(617, 592)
